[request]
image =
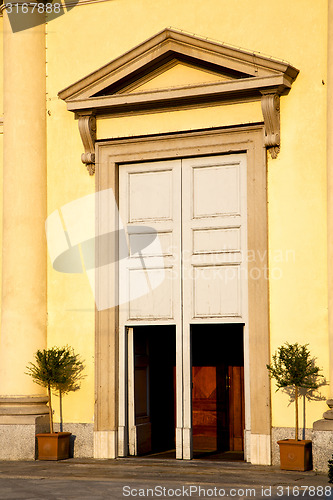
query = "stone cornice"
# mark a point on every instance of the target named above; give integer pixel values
(233, 90)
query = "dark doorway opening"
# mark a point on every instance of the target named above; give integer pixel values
(155, 361)
(218, 391)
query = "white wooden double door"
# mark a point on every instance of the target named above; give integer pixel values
(185, 227)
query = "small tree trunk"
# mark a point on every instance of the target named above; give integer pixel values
(304, 418)
(50, 409)
(296, 403)
(60, 404)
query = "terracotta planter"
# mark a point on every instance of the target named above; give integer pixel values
(53, 446)
(295, 455)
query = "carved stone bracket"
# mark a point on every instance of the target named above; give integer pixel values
(87, 128)
(270, 105)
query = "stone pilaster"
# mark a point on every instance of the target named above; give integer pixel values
(323, 429)
(23, 328)
(330, 183)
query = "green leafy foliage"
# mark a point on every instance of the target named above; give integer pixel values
(59, 369)
(292, 365)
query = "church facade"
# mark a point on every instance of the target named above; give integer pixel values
(167, 212)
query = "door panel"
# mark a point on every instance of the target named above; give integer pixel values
(203, 202)
(214, 236)
(138, 394)
(215, 187)
(185, 263)
(149, 277)
(150, 193)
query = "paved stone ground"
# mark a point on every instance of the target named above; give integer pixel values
(155, 478)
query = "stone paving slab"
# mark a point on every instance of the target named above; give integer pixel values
(155, 478)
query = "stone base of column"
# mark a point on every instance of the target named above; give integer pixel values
(260, 446)
(21, 418)
(322, 444)
(322, 439)
(187, 444)
(105, 444)
(179, 443)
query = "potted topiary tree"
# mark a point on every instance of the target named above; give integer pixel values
(292, 366)
(58, 369)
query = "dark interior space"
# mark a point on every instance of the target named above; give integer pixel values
(217, 389)
(161, 346)
(217, 342)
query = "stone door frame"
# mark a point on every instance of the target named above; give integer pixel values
(110, 425)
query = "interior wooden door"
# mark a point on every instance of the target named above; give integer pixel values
(236, 408)
(218, 408)
(210, 408)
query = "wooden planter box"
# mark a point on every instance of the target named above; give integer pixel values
(295, 455)
(53, 446)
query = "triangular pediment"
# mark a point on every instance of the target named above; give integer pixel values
(176, 73)
(173, 67)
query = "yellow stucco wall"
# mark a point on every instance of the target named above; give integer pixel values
(70, 302)
(88, 37)
(1, 146)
